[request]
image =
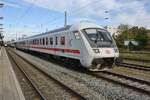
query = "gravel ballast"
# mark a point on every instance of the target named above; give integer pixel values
(90, 87)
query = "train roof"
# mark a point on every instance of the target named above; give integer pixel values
(85, 24)
(74, 27)
(53, 31)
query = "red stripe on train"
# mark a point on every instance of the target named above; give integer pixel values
(57, 49)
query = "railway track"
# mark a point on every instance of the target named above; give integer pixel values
(124, 80)
(36, 89)
(134, 66)
(75, 95)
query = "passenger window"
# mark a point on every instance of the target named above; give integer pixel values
(43, 41)
(51, 41)
(34, 42)
(40, 41)
(46, 41)
(56, 40)
(62, 40)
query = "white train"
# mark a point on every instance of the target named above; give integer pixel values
(89, 43)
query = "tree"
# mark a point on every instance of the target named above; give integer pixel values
(133, 32)
(142, 37)
(123, 30)
(123, 27)
(139, 34)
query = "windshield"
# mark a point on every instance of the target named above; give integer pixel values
(99, 37)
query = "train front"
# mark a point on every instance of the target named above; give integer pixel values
(102, 49)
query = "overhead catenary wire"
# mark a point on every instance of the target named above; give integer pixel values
(56, 19)
(26, 12)
(52, 22)
(20, 18)
(74, 11)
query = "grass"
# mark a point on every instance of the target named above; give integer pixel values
(137, 52)
(140, 56)
(147, 64)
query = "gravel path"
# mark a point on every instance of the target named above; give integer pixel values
(89, 86)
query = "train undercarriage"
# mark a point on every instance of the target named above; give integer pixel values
(101, 64)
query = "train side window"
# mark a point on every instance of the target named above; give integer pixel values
(62, 40)
(40, 41)
(51, 40)
(56, 42)
(34, 42)
(37, 41)
(46, 41)
(43, 41)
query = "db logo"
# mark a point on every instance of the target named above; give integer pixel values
(108, 51)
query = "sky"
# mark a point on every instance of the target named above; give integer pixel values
(30, 17)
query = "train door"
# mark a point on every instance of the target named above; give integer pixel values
(74, 43)
(55, 49)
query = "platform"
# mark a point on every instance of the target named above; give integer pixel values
(9, 86)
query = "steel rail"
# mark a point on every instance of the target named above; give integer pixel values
(28, 78)
(122, 80)
(134, 66)
(60, 83)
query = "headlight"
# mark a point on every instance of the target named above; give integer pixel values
(96, 50)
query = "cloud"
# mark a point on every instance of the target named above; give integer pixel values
(119, 11)
(11, 4)
(55, 5)
(134, 13)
